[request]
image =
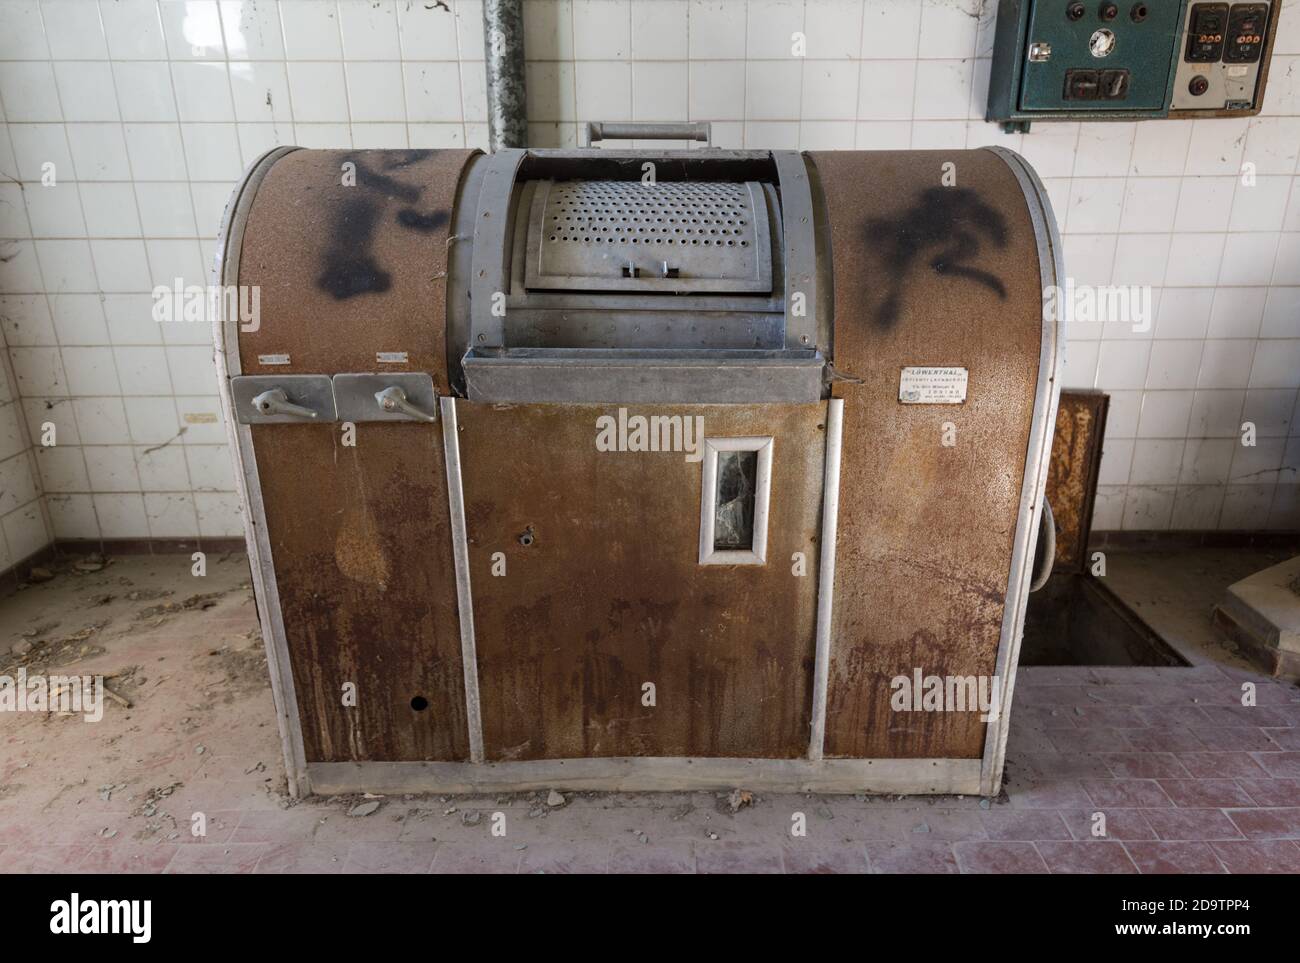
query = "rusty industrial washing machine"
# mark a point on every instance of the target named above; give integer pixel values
(630, 470)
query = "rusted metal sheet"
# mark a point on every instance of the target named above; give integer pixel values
(1072, 473)
(351, 261)
(361, 541)
(347, 267)
(609, 595)
(925, 274)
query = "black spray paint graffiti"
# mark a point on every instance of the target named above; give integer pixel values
(424, 223)
(350, 267)
(952, 220)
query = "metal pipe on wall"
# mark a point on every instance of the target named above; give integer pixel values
(503, 44)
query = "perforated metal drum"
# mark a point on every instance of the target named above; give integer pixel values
(631, 236)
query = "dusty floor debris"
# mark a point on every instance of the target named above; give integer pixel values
(1188, 784)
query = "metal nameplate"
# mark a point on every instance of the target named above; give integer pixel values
(932, 385)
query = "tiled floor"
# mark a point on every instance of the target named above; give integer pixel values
(1186, 778)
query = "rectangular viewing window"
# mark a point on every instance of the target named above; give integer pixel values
(736, 482)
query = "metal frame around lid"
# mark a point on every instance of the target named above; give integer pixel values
(489, 277)
(799, 239)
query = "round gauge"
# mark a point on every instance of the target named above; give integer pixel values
(1101, 43)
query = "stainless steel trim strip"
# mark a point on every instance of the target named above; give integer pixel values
(569, 379)
(826, 577)
(1038, 456)
(651, 774)
(226, 339)
(464, 597)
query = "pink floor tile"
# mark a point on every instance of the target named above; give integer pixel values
(1050, 695)
(949, 826)
(936, 857)
(643, 858)
(219, 827)
(1259, 856)
(18, 858)
(128, 858)
(1267, 823)
(1287, 739)
(1237, 738)
(230, 858)
(1174, 857)
(1191, 824)
(1205, 793)
(1163, 740)
(456, 858)
(1144, 765)
(1165, 717)
(1090, 857)
(1108, 717)
(1267, 693)
(1089, 740)
(1047, 794)
(382, 826)
(1126, 793)
(716, 856)
(803, 857)
(1280, 765)
(275, 825)
(1025, 824)
(568, 858)
(1220, 765)
(1064, 765)
(1119, 824)
(999, 857)
(1235, 716)
(302, 857)
(1272, 792)
(389, 857)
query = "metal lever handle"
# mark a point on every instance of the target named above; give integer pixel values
(1045, 549)
(276, 402)
(598, 130)
(393, 398)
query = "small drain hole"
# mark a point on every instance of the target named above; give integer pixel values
(419, 703)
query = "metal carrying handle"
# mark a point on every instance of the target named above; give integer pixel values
(1045, 550)
(701, 131)
(393, 398)
(275, 402)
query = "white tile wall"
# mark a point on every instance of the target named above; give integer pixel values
(146, 111)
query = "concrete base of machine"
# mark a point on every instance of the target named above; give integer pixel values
(1261, 614)
(644, 774)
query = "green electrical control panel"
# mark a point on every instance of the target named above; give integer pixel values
(1103, 60)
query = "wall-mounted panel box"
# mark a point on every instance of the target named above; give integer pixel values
(1135, 59)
